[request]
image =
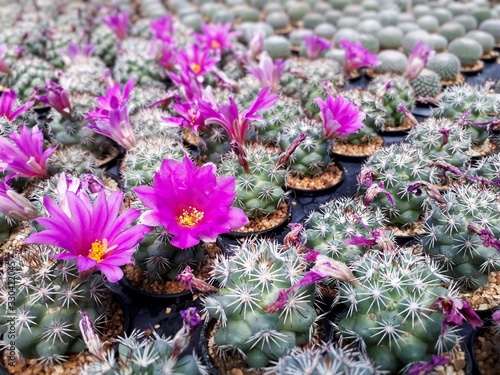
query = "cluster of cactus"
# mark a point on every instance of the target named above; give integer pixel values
(389, 309)
(106, 44)
(75, 161)
(334, 222)
(452, 241)
(250, 280)
(327, 358)
(312, 156)
(28, 73)
(442, 140)
(391, 92)
(259, 190)
(48, 299)
(398, 168)
(85, 78)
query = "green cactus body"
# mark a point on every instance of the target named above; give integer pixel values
(141, 162)
(442, 140)
(106, 44)
(6, 224)
(48, 298)
(75, 160)
(457, 100)
(28, 73)
(149, 122)
(446, 65)
(249, 88)
(260, 192)
(282, 113)
(392, 91)
(388, 309)
(144, 96)
(488, 167)
(57, 42)
(333, 222)
(250, 280)
(398, 167)
(312, 156)
(461, 251)
(85, 78)
(427, 84)
(467, 50)
(391, 61)
(136, 355)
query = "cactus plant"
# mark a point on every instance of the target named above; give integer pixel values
(390, 309)
(48, 298)
(446, 65)
(452, 241)
(106, 44)
(391, 61)
(250, 280)
(467, 50)
(28, 73)
(427, 84)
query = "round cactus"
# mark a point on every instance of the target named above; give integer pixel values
(446, 65)
(390, 37)
(106, 44)
(427, 84)
(467, 50)
(28, 73)
(491, 26)
(250, 280)
(486, 40)
(391, 61)
(452, 30)
(277, 46)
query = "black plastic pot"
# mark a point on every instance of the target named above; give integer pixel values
(318, 192)
(142, 295)
(352, 158)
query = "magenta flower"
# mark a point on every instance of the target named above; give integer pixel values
(57, 97)
(496, 316)
(456, 311)
(165, 54)
(235, 123)
(268, 72)
(163, 28)
(188, 280)
(14, 205)
(118, 23)
(7, 101)
(114, 99)
(216, 37)
(192, 204)
(340, 117)
(78, 53)
(418, 60)
(315, 46)
(93, 234)
(24, 158)
(190, 116)
(4, 68)
(356, 56)
(117, 127)
(196, 60)
(427, 368)
(182, 339)
(188, 84)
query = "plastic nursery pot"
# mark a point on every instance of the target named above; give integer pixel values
(317, 192)
(143, 295)
(477, 68)
(358, 158)
(491, 56)
(267, 232)
(404, 129)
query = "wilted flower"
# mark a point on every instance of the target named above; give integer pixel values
(315, 46)
(216, 37)
(7, 101)
(24, 158)
(57, 97)
(496, 316)
(190, 321)
(118, 23)
(268, 72)
(356, 56)
(189, 281)
(90, 337)
(115, 98)
(196, 60)
(235, 123)
(14, 205)
(427, 368)
(417, 61)
(93, 234)
(87, 184)
(455, 311)
(340, 117)
(117, 127)
(191, 203)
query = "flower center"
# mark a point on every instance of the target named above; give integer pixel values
(195, 67)
(215, 44)
(190, 217)
(99, 250)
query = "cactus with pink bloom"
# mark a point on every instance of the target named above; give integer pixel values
(314, 46)
(356, 56)
(118, 24)
(196, 59)
(9, 117)
(216, 38)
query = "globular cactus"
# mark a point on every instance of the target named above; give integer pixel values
(427, 84)
(312, 156)
(486, 168)
(136, 354)
(140, 163)
(85, 78)
(398, 168)
(475, 103)
(442, 140)
(28, 73)
(389, 309)
(144, 96)
(453, 242)
(467, 50)
(333, 222)
(391, 61)
(250, 280)
(258, 190)
(149, 122)
(284, 111)
(75, 160)
(391, 92)
(47, 301)
(106, 44)
(446, 65)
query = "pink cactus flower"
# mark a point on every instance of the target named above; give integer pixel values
(57, 97)
(114, 99)
(7, 101)
(315, 46)
(456, 311)
(268, 72)
(163, 28)
(189, 116)
(118, 23)
(418, 60)
(356, 56)
(93, 234)
(340, 117)
(196, 59)
(14, 205)
(193, 204)
(75, 53)
(117, 127)
(25, 157)
(216, 38)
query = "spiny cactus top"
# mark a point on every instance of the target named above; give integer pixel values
(250, 280)
(450, 239)
(390, 309)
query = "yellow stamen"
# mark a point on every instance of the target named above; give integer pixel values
(190, 217)
(214, 44)
(195, 67)
(99, 250)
